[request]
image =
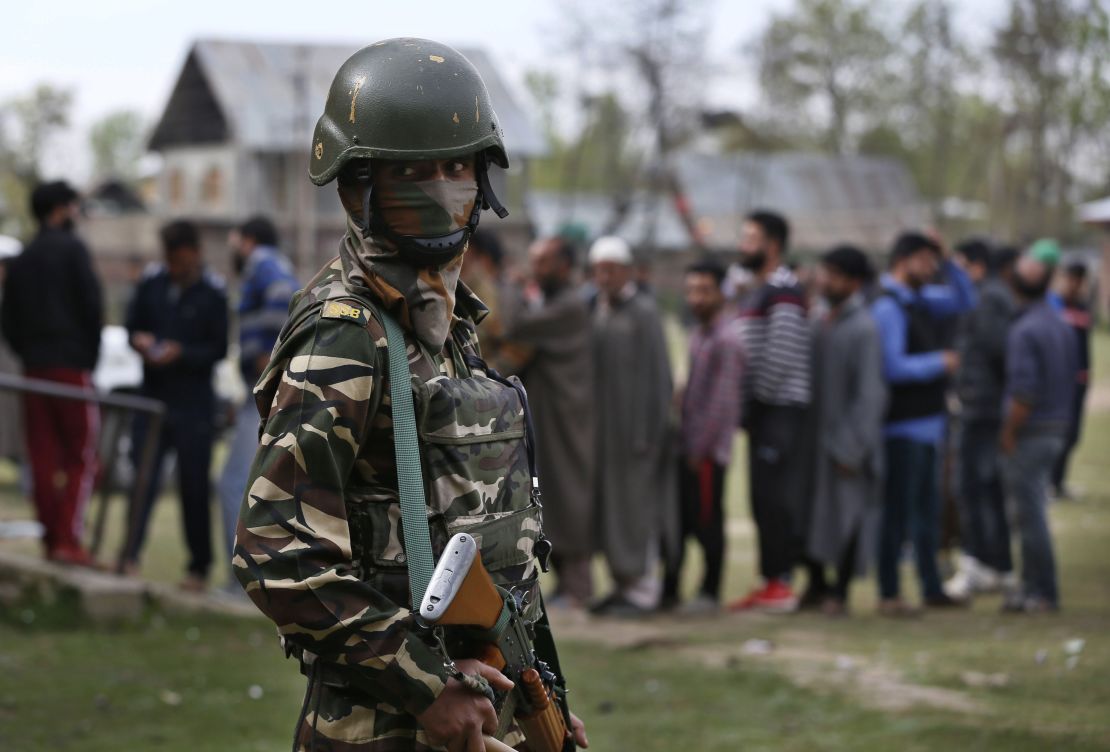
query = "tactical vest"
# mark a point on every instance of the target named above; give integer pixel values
(474, 432)
(917, 399)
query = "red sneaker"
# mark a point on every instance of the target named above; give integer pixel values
(774, 597)
(73, 556)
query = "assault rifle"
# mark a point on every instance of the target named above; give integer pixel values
(461, 595)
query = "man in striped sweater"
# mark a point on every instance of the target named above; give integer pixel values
(776, 394)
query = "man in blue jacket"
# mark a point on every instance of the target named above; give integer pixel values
(177, 322)
(917, 368)
(267, 286)
(1042, 357)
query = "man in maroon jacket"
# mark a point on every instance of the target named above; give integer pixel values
(52, 318)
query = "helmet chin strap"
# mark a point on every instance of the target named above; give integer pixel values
(435, 250)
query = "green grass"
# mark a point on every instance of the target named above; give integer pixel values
(971, 679)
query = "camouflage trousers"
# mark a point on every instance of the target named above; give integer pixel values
(339, 719)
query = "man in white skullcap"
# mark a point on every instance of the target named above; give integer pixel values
(633, 391)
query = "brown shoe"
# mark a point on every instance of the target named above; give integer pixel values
(193, 584)
(834, 608)
(896, 608)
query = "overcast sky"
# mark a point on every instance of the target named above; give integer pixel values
(126, 54)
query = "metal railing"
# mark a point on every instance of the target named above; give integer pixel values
(127, 406)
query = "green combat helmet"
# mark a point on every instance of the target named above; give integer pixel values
(408, 98)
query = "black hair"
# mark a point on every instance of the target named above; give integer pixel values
(975, 250)
(774, 226)
(181, 233)
(46, 197)
(849, 261)
(1076, 269)
(260, 229)
(708, 267)
(1003, 258)
(909, 243)
(483, 243)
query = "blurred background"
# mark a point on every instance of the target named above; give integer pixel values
(665, 122)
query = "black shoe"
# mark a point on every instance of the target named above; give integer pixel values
(813, 599)
(943, 601)
(618, 607)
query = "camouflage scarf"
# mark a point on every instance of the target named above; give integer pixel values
(423, 300)
(428, 208)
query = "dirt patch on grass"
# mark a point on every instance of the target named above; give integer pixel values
(797, 656)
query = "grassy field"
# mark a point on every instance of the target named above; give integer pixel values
(970, 679)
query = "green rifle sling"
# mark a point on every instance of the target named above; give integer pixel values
(410, 478)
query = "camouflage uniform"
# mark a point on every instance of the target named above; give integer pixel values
(320, 548)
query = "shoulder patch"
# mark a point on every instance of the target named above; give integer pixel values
(335, 309)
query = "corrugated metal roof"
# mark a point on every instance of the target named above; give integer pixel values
(1095, 212)
(272, 93)
(827, 199)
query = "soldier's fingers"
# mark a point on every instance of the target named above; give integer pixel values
(496, 679)
(489, 716)
(474, 741)
(458, 743)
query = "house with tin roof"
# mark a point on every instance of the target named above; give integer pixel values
(235, 135)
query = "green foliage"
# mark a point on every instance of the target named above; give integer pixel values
(118, 141)
(27, 124)
(829, 57)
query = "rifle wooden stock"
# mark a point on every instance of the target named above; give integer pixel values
(478, 603)
(545, 729)
(492, 745)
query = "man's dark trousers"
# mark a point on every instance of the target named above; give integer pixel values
(984, 530)
(910, 509)
(776, 462)
(189, 434)
(702, 510)
(1027, 473)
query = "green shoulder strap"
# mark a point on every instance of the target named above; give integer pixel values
(410, 479)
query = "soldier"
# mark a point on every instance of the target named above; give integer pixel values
(409, 132)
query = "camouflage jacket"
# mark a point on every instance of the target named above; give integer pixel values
(320, 548)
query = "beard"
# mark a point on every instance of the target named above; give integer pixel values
(753, 262)
(238, 263)
(834, 299)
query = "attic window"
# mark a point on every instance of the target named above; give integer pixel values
(176, 187)
(212, 188)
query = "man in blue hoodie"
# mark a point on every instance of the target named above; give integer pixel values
(916, 367)
(267, 285)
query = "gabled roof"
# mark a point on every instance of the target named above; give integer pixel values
(866, 201)
(266, 96)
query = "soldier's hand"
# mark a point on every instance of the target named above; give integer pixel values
(459, 716)
(578, 731)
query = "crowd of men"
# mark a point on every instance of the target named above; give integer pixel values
(178, 322)
(866, 399)
(869, 401)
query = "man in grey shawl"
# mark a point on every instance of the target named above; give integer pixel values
(850, 403)
(632, 400)
(550, 321)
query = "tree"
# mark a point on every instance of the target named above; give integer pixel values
(653, 53)
(27, 124)
(117, 142)
(1055, 59)
(826, 59)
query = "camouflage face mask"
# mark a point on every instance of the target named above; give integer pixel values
(426, 208)
(422, 298)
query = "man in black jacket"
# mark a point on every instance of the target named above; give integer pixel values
(52, 317)
(177, 322)
(985, 563)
